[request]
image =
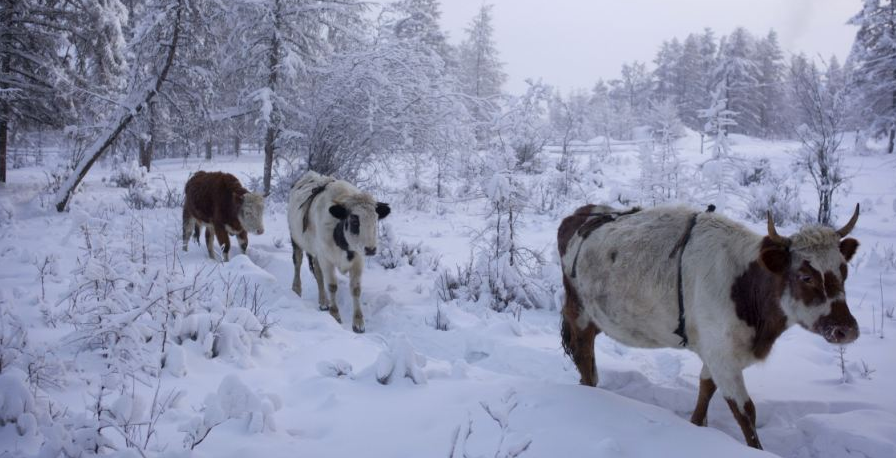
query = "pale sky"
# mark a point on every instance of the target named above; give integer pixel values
(572, 43)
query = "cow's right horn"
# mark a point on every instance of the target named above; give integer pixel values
(845, 230)
(772, 233)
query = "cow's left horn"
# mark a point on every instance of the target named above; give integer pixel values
(772, 233)
(845, 230)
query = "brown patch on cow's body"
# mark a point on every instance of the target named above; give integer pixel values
(214, 199)
(757, 299)
(832, 285)
(707, 389)
(570, 225)
(578, 343)
(839, 326)
(747, 421)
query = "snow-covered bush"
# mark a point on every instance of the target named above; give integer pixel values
(16, 402)
(232, 401)
(393, 253)
(770, 191)
(399, 361)
(128, 175)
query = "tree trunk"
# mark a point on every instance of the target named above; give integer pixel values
(892, 140)
(236, 145)
(4, 132)
(269, 138)
(208, 150)
(127, 115)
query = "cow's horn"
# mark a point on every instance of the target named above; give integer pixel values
(772, 233)
(845, 230)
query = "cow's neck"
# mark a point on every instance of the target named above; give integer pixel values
(341, 242)
(757, 297)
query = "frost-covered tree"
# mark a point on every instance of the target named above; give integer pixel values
(668, 72)
(279, 42)
(821, 110)
(480, 71)
(736, 75)
(48, 63)
(771, 70)
(418, 20)
(630, 95)
(661, 167)
(524, 128)
(162, 28)
(570, 120)
(873, 57)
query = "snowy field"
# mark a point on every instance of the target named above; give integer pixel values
(245, 366)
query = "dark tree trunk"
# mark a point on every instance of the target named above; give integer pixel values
(208, 150)
(103, 143)
(270, 136)
(236, 145)
(892, 140)
(4, 133)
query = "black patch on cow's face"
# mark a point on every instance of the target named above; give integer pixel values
(382, 210)
(338, 211)
(354, 224)
(341, 242)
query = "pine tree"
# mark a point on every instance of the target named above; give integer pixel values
(667, 74)
(481, 70)
(737, 76)
(770, 86)
(875, 67)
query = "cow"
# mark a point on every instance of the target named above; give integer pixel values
(334, 223)
(217, 201)
(672, 277)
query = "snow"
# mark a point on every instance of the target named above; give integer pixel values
(287, 380)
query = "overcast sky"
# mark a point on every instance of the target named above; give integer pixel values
(573, 43)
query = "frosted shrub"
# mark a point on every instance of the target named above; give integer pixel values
(393, 253)
(16, 402)
(232, 401)
(128, 175)
(769, 191)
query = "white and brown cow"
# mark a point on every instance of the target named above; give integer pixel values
(336, 225)
(217, 201)
(739, 291)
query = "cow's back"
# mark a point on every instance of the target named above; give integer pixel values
(309, 201)
(625, 276)
(210, 195)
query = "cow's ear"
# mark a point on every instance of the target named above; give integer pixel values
(775, 257)
(238, 199)
(338, 211)
(382, 210)
(848, 247)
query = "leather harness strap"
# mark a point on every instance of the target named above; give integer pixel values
(679, 249)
(307, 204)
(597, 220)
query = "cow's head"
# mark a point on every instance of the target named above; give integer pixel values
(251, 211)
(813, 263)
(358, 216)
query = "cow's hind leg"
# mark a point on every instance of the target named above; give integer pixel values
(210, 242)
(707, 389)
(355, 283)
(577, 337)
(328, 272)
(187, 228)
(297, 264)
(731, 384)
(243, 238)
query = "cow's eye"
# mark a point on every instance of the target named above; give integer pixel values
(355, 224)
(806, 278)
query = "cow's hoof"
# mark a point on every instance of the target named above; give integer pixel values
(358, 328)
(323, 307)
(334, 312)
(297, 289)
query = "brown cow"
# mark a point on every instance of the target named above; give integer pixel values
(672, 277)
(217, 201)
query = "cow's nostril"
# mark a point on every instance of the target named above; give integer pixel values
(839, 334)
(370, 251)
(260, 231)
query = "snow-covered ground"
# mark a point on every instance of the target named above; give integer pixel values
(493, 384)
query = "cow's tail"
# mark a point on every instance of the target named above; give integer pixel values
(570, 313)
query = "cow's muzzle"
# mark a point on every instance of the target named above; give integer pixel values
(260, 231)
(839, 326)
(370, 251)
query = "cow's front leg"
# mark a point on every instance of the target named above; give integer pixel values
(224, 241)
(319, 278)
(243, 237)
(210, 242)
(707, 389)
(731, 384)
(328, 272)
(355, 282)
